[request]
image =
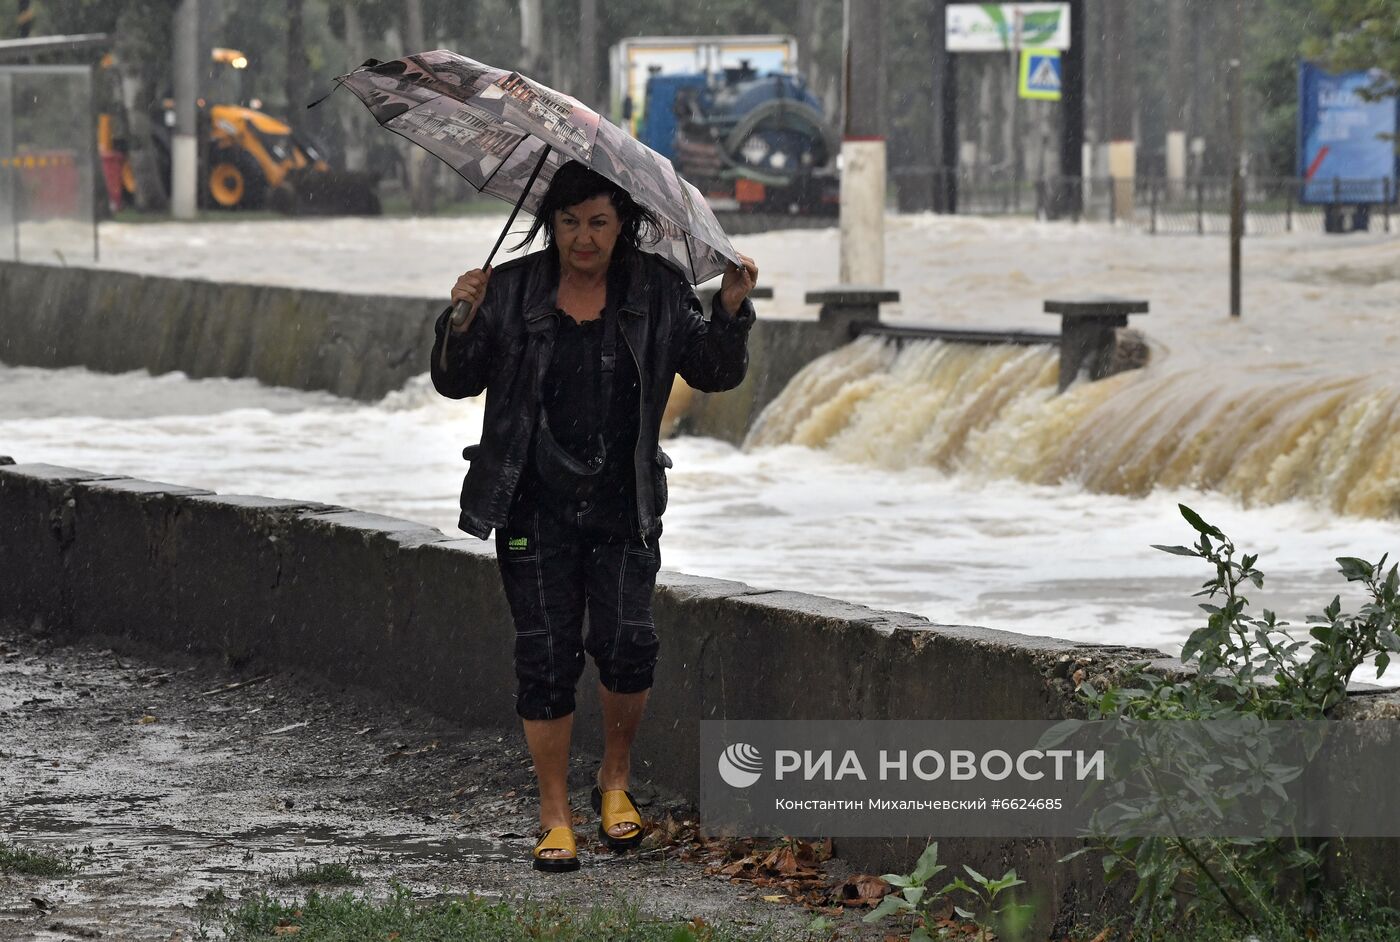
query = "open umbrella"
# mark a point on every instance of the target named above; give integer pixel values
(501, 131)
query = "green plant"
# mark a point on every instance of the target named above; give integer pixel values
(16, 859)
(332, 873)
(348, 917)
(913, 900)
(1249, 669)
(1010, 918)
(1349, 914)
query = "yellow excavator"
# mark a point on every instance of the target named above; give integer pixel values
(252, 160)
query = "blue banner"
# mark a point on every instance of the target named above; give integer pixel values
(1346, 146)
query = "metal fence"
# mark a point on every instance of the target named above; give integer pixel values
(1195, 206)
(48, 170)
(1271, 205)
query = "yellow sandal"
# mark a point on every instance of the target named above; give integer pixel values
(617, 807)
(557, 838)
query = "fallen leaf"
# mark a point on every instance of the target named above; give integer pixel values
(782, 860)
(285, 930)
(861, 889)
(778, 898)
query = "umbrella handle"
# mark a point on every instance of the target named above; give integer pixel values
(462, 314)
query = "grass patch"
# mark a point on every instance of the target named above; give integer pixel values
(335, 873)
(1353, 914)
(349, 918)
(16, 859)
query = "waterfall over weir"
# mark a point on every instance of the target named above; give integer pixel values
(1262, 437)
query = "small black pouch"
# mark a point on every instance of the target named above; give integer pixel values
(560, 471)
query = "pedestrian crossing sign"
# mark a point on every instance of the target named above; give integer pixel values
(1040, 74)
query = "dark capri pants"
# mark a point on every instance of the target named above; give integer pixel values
(555, 569)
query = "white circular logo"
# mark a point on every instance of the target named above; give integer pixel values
(740, 765)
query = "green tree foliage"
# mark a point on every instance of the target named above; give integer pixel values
(1344, 34)
(1359, 34)
(1274, 40)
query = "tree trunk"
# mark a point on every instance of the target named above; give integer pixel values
(421, 192)
(531, 37)
(560, 74)
(298, 70)
(986, 118)
(590, 83)
(139, 41)
(807, 40)
(1176, 143)
(413, 25)
(354, 121)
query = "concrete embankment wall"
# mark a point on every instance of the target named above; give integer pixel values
(397, 606)
(402, 608)
(360, 346)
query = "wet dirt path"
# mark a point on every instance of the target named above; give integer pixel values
(169, 787)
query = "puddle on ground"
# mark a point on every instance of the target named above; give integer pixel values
(118, 840)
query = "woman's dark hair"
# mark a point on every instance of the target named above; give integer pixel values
(574, 183)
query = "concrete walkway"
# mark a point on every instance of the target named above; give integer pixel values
(170, 787)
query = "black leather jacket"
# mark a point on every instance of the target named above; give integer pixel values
(512, 339)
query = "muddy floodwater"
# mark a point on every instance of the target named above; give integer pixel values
(169, 787)
(956, 486)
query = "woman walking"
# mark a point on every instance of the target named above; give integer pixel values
(576, 347)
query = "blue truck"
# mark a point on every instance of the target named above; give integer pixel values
(735, 118)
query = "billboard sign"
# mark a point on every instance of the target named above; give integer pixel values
(1346, 144)
(998, 27)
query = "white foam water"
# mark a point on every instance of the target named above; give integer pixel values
(959, 519)
(1054, 560)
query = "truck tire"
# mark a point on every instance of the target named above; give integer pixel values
(234, 181)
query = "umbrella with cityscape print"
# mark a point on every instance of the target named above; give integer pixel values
(501, 131)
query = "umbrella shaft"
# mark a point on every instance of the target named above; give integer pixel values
(460, 311)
